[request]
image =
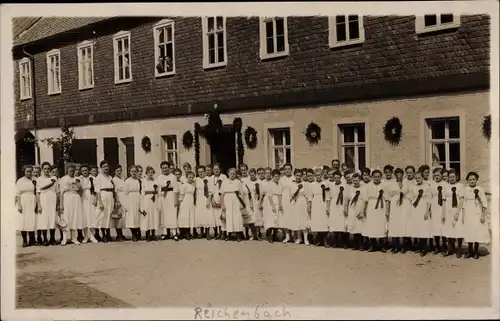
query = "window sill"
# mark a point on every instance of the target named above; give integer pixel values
(214, 66)
(439, 29)
(274, 55)
(166, 74)
(125, 81)
(346, 44)
(54, 93)
(24, 98)
(85, 88)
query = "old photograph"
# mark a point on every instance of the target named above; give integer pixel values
(214, 161)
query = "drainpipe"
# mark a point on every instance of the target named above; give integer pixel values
(33, 95)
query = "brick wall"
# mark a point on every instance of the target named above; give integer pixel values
(392, 61)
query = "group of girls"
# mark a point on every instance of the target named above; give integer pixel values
(326, 206)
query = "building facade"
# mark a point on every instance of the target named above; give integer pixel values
(117, 80)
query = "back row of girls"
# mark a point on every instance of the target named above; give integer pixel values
(332, 204)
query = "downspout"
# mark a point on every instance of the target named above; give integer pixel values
(33, 93)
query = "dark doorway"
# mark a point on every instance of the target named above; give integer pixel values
(224, 149)
(129, 152)
(111, 152)
(25, 150)
(83, 151)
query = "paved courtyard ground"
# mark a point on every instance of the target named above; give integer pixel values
(200, 272)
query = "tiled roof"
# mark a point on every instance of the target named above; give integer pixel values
(50, 26)
(20, 24)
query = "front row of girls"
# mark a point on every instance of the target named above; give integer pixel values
(414, 212)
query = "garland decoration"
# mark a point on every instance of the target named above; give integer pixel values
(237, 124)
(393, 130)
(197, 130)
(210, 131)
(313, 133)
(146, 144)
(187, 140)
(251, 137)
(486, 127)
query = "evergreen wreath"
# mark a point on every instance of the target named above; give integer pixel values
(313, 133)
(251, 137)
(393, 130)
(486, 127)
(187, 140)
(197, 130)
(146, 144)
(237, 124)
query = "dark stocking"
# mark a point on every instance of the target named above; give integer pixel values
(52, 240)
(476, 250)
(32, 240)
(45, 238)
(24, 235)
(39, 240)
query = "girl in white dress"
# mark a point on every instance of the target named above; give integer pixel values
(247, 212)
(26, 201)
(118, 220)
(216, 181)
(454, 221)
(320, 196)
(186, 167)
(286, 186)
(55, 173)
(420, 226)
(356, 200)
(133, 191)
(397, 190)
(475, 215)
(232, 205)
(169, 199)
(204, 217)
(300, 208)
(47, 190)
(150, 205)
(89, 203)
(105, 190)
(187, 205)
(71, 204)
(253, 187)
(377, 213)
(259, 221)
(337, 219)
(270, 202)
(438, 186)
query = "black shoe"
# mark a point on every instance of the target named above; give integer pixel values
(176, 238)
(423, 253)
(468, 255)
(163, 237)
(25, 244)
(476, 255)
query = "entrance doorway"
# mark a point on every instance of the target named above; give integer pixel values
(25, 150)
(223, 149)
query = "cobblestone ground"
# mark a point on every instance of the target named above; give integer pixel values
(199, 272)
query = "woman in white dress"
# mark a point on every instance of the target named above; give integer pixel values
(71, 204)
(337, 218)
(377, 213)
(150, 205)
(247, 212)
(270, 202)
(438, 186)
(420, 226)
(286, 186)
(26, 201)
(133, 191)
(475, 216)
(453, 227)
(204, 216)
(232, 205)
(186, 167)
(54, 172)
(253, 185)
(46, 188)
(300, 208)
(187, 205)
(117, 218)
(169, 198)
(356, 200)
(105, 190)
(397, 191)
(89, 203)
(320, 196)
(216, 182)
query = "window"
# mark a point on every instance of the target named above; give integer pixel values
(346, 30)
(164, 48)
(85, 53)
(54, 72)
(25, 79)
(121, 48)
(444, 142)
(353, 145)
(273, 37)
(431, 23)
(171, 150)
(214, 42)
(280, 147)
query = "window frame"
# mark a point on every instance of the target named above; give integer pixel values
(332, 32)
(420, 27)
(50, 90)
(446, 141)
(356, 144)
(269, 142)
(204, 25)
(83, 46)
(22, 94)
(338, 137)
(262, 32)
(164, 24)
(166, 150)
(117, 37)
